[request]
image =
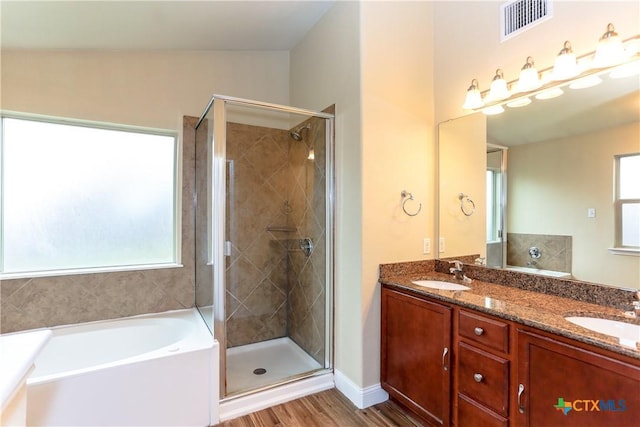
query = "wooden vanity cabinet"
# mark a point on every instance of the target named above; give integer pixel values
(602, 388)
(482, 370)
(500, 373)
(416, 355)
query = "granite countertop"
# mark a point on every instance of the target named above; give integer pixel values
(543, 311)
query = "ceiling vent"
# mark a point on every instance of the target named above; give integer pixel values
(517, 16)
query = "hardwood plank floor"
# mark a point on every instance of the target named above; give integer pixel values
(327, 408)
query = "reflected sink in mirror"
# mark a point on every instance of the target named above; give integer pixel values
(628, 333)
(436, 284)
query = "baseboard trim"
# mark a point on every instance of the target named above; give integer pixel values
(244, 405)
(361, 397)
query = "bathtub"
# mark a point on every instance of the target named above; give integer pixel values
(149, 370)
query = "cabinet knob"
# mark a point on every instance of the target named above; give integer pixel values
(478, 331)
(478, 377)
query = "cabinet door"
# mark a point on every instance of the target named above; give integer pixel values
(416, 348)
(564, 385)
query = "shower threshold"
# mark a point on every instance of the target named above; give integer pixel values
(254, 366)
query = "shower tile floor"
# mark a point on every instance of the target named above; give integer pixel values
(281, 358)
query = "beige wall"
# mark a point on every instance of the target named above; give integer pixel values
(152, 89)
(462, 169)
(383, 149)
(325, 69)
(551, 185)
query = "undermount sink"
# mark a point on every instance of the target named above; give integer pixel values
(436, 284)
(628, 333)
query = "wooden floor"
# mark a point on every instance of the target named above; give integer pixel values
(328, 408)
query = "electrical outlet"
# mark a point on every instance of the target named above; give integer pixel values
(441, 245)
(426, 245)
(591, 213)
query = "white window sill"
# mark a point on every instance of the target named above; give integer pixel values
(53, 273)
(625, 251)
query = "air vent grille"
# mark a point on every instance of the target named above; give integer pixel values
(519, 15)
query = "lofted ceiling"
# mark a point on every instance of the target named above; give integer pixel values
(158, 25)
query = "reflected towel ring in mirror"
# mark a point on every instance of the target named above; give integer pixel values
(406, 196)
(468, 211)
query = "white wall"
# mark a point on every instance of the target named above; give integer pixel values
(374, 60)
(151, 89)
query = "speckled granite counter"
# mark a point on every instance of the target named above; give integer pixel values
(512, 301)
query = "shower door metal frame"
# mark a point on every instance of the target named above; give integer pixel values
(218, 210)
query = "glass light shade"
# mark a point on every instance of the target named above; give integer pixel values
(473, 99)
(529, 79)
(493, 110)
(610, 50)
(498, 89)
(519, 103)
(551, 93)
(586, 82)
(626, 70)
(565, 66)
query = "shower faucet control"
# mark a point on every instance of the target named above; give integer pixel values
(306, 246)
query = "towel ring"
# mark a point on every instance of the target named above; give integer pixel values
(406, 196)
(468, 200)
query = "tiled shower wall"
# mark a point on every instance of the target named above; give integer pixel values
(275, 197)
(256, 270)
(51, 301)
(556, 251)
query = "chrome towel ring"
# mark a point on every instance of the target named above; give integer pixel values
(406, 196)
(467, 212)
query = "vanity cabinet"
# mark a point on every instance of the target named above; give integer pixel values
(500, 373)
(416, 355)
(561, 383)
(482, 370)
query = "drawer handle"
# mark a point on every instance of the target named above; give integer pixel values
(444, 355)
(520, 391)
(478, 331)
(478, 377)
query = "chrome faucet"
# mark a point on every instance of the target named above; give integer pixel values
(457, 271)
(636, 303)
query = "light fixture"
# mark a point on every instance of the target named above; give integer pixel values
(517, 103)
(565, 66)
(473, 99)
(586, 82)
(626, 70)
(493, 110)
(610, 50)
(498, 90)
(554, 92)
(529, 79)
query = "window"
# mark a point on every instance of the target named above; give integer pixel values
(77, 197)
(627, 203)
(494, 192)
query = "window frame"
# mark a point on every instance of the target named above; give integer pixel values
(618, 204)
(177, 195)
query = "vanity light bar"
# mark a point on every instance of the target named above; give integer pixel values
(586, 73)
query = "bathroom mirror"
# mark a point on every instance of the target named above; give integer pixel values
(558, 189)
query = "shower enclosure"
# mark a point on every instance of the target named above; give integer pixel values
(264, 239)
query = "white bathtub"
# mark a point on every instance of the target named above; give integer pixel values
(150, 370)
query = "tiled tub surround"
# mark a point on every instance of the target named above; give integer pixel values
(555, 251)
(275, 198)
(531, 300)
(51, 301)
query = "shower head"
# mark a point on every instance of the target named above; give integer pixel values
(296, 134)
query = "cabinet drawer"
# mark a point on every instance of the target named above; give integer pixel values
(483, 330)
(472, 414)
(484, 378)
